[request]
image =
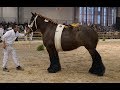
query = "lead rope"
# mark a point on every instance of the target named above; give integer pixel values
(30, 26)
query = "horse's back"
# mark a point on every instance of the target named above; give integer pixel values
(89, 36)
(73, 38)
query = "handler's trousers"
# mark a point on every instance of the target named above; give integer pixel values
(7, 51)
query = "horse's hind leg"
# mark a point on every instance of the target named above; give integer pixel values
(54, 61)
(98, 67)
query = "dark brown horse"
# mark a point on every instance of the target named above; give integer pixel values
(71, 38)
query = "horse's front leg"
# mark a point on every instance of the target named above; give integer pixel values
(54, 60)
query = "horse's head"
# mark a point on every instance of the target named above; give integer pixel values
(40, 23)
(32, 25)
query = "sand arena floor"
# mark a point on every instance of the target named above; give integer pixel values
(75, 64)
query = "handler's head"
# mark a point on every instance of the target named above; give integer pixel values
(15, 27)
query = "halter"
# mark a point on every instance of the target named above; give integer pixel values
(31, 25)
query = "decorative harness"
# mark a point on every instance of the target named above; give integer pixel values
(31, 25)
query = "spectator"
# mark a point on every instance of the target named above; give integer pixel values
(1, 32)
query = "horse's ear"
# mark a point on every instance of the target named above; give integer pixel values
(32, 13)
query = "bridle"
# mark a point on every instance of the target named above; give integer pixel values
(31, 25)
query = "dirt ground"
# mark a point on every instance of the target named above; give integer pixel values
(75, 64)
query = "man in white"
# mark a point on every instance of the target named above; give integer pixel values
(8, 39)
(1, 31)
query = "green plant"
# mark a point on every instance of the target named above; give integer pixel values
(40, 47)
(103, 38)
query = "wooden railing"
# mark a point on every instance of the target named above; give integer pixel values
(37, 34)
(109, 35)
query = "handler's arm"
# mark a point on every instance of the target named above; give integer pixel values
(4, 45)
(6, 35)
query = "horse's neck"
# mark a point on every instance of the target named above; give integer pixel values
(41, 27)
(44, 26)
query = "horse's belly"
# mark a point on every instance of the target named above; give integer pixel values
(67, 46)
(68, 40)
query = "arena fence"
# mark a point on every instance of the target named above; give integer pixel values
(36, 36)
(106, 35)
(109, 35)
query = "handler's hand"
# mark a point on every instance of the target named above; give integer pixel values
(4, 46)
(27, 33)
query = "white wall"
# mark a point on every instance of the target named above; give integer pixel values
(0, 11)
(59, 13)
(10, 14)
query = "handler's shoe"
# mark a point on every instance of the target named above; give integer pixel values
(19, 68)
(5, 69)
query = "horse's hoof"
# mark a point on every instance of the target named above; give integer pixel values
(98, 74)
(53, 70)
(92, 71)
(97, 70)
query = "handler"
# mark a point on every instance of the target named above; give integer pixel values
(8, 39)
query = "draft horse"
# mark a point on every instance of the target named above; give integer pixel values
(71, 38)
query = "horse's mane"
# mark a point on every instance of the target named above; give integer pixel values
(47, 19)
